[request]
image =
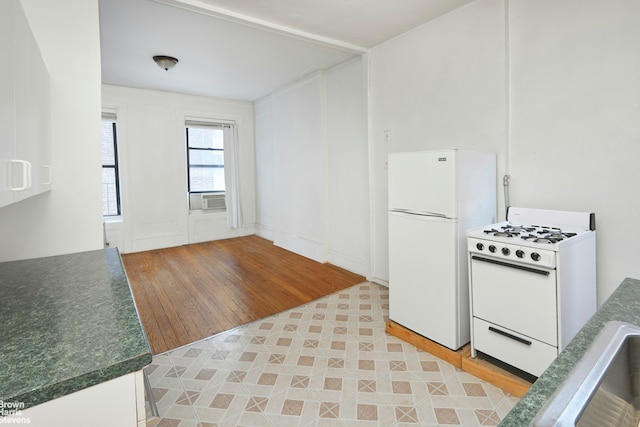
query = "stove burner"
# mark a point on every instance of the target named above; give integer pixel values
(504, 234)
(518, 229)
(498, 233)
(510, 231)
(561, 234)
(549, 240)
(534, 233)
(549, 236)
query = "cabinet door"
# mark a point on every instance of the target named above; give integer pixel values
(108, 404)
(7, 126)
(40, 104)
(31, 104)
(25, 153)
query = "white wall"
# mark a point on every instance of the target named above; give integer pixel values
(311, 162)
(575, 119)
(300, 167)
(265, 169)
(348, 168)
(441, 85)
(153, 171)
(68, 218)
(563, 119)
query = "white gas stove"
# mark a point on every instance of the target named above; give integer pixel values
(532, 284)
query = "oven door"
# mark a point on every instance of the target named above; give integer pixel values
(516, 297)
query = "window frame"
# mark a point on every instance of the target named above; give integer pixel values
(115, 167)
(189, 165)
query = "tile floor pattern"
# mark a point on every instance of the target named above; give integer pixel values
(326, 363)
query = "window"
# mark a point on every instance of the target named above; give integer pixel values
(110, 180)
(205, 157)
(212, 168)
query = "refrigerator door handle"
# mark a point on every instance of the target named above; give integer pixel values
(419, 213)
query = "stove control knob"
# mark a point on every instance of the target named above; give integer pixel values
(535, 256)
(505, 251)
(492, 248)
(480, 246)
(520, 253)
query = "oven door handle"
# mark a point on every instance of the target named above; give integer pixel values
(508, 335)
(507, 264)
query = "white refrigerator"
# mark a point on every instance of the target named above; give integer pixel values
(434, 198)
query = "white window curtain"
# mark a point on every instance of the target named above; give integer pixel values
(232, 187)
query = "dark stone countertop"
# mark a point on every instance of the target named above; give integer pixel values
(622, 305)
(68, 322)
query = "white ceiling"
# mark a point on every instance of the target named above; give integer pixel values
(246, 49)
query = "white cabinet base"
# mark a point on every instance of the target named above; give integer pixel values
(118, 402)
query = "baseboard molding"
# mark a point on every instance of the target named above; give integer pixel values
(348, 262)
(462, 359)
(205, 227)
(265, 232)
(300, 245)
(156, 242)
(378, 280)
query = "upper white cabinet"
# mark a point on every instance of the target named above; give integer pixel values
(25, 147)
(7, 132)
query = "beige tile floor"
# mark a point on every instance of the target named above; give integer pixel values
(326, 363)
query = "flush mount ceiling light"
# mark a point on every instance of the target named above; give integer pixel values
(165, 62)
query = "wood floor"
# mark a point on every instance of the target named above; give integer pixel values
(191, 292)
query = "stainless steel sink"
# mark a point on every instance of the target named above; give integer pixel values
(604, 387)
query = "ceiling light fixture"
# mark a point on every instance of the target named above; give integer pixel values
(165, 62)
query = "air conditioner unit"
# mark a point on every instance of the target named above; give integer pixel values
(213, 202)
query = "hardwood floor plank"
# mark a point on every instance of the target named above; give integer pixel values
(191, 292)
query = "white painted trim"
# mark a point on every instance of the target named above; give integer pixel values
(348, 262)
(266, 232)
(372, 171)
(379, 281)
(229, 15)
(150, 243)
(300, 245)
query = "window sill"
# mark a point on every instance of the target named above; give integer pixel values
(205, 212)
(112, 219)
